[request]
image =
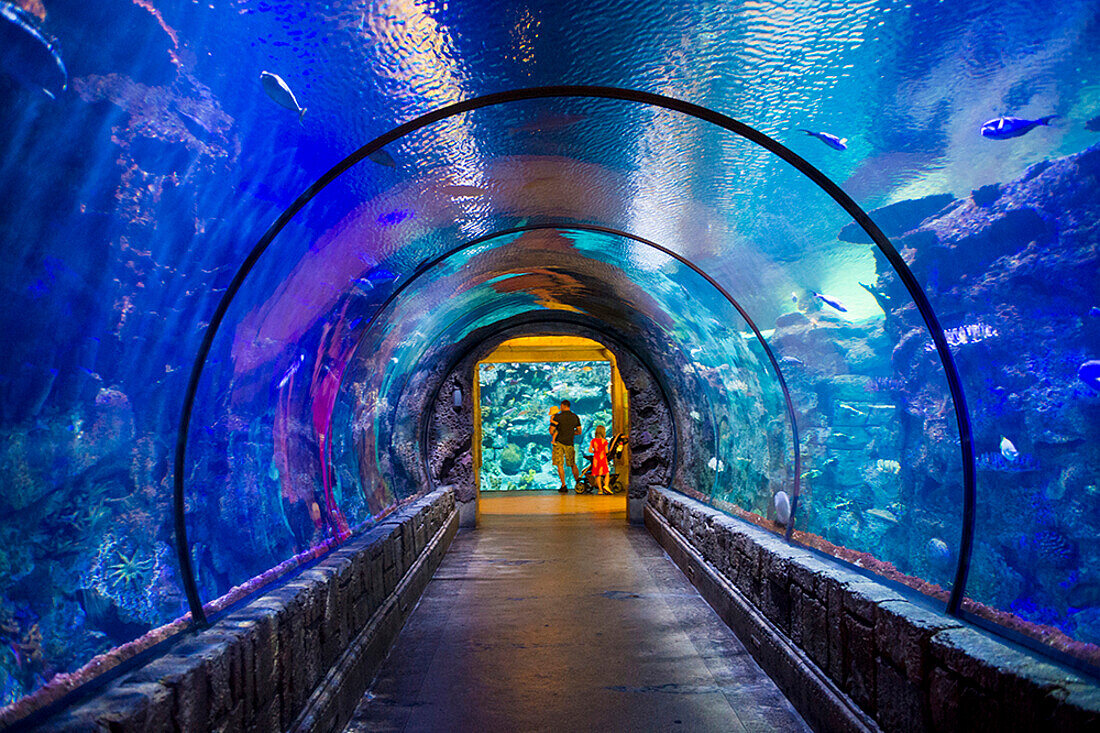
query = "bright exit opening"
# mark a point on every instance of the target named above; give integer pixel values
(515, 388)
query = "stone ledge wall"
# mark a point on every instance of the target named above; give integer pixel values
(907, 667)
(296, 658)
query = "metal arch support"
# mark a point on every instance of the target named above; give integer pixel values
(599, 92)
(566, 227)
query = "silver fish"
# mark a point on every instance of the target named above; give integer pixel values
(280, 93)
(834, 142)
(1008, 450)
(833, 302)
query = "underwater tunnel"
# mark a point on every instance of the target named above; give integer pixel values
(228, 364)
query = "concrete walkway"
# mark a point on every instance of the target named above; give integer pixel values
(556, 615)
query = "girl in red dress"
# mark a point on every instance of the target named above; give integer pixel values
(600, 469)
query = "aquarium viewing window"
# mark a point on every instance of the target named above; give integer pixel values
(517, 386)
(853, 245)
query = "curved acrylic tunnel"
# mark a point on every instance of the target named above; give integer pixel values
(373, 282)
(557, 212)
(132, 190)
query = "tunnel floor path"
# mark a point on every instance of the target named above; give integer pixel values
(556, 615)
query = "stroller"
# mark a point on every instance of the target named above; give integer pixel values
(587, 483)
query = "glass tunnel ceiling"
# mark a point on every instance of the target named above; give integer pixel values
(324, 284)
(580, 178)
(132, 199)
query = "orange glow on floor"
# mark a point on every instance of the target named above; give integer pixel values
(550, 502)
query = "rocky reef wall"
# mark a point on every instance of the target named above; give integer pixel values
(298, 657)
(1013, 272)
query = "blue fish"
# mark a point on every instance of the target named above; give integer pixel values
(395, 217)
(1089, 373)
(380, 274)
(834, 142)
(280, 93)
(832, 302)
(28, 54)
(1003, 128)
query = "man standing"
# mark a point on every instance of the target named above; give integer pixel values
(564, 427)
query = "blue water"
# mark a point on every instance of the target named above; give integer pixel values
(129, 201)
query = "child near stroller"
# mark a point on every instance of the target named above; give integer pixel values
(598, 465)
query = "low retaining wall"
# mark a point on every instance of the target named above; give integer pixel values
(296, 658)
(853, 654)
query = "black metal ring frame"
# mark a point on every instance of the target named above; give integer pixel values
(566, 227)
(595, 92)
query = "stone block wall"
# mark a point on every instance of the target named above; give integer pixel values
(298, 657)
(887, 661)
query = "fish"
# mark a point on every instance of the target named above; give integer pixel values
(832, 302)
(1093, 125)
(1089, 373)
(794, 297)
(280, 93)
(782, 507)
(1004, 128)
(937, 552)
(380, 274)
(382, 158)
(290, 372)
(883, 514)
(834, 142)
(792, 361)
(1008, 450)
(850, 411)
(28, 54)
(392, 218)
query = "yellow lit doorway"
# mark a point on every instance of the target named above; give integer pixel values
(536, 350)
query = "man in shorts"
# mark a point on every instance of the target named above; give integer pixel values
(564, 427)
